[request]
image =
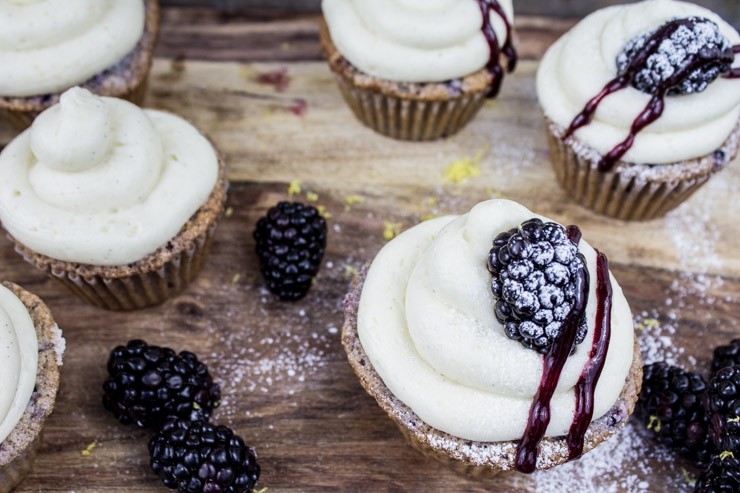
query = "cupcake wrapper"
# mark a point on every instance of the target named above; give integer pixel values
(13, 473)
(410, 119)
(21, 120)
(629, 192)
(134, 291)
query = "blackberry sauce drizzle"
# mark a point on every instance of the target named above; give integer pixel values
(655, 107)
(494, 62)
(586, 385)
(553, 363)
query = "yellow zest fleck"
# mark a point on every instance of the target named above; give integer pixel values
(427, 217)
(461, 170)
(736, 419)
(350, 200)
(267, 114)
(654, 424)
(88, 450)
(493, 193)
(687, 476)
(294, 188)
(174, 157)
(430, 201)
(391, 230)
(196, 406)
(323, 212)
(246, 72)
(648, 323)
(489, 103)
(235, 279)
(262, 490)
(229, 211)
(726, 455)
(312, 196)
(286, 46)
(350, 271)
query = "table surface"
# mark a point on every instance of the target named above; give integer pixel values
(288, 389)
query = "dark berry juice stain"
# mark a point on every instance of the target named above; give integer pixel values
(586, 386)
(279, 79)
(692, 73)
(553, 363)
(494, 61)
(298, 108)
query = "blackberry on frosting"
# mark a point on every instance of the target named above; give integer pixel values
(534, 268)
(686, 38)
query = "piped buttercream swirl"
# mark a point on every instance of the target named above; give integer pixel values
(49, 45)
(426, 321)
(413, 40)
(578, 66)
(18, 360)
(100, 181)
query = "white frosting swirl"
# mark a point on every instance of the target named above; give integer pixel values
(18, 360)
(99, 181)
(413, 40)
(47, 46)
(426, 321)
(578, 66)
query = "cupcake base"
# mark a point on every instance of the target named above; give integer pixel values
(126, 80)
(634, 192)
(407, 111)
(18, 451)
(473, 458)
(149, 281)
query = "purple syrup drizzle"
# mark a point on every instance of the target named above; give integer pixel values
(654, 108)
(494, 61)
(553, 363)
(586, 385)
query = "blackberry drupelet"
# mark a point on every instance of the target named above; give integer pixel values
(722, 476)
(291, 240)
(149, 384)
(728, 355)
(670, 405)
(692, 37)
(722, 404)
(535, 268)
(196, 456)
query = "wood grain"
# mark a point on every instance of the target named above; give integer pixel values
(288, 389)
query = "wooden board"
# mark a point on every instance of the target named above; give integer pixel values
(288, 389)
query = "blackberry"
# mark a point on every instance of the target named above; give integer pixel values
(722, 404)
(196, 456)
(722, 476)
(291, 240)
(670, 405)
(149, 384)
(535, 268)
(685, 38)
(728, 355)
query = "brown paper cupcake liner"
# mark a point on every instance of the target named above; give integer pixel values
(149, 281)
(631, 192)
(19, 450)
(467, 457)
(127, 80)
(407, 111)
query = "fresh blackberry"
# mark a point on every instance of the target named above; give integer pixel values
(291, 240)
(685, 39)
(149, 384)
(535, 269)
(196, 456)
(670, 405)
(728, 355)
(722, 476)
(722, 404)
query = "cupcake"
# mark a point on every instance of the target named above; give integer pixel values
(118, 203)
(471, 330)
(640, 106)
(48, 46)
(417, 70)
(31, 347)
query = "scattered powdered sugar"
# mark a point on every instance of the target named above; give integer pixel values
(60, 344)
